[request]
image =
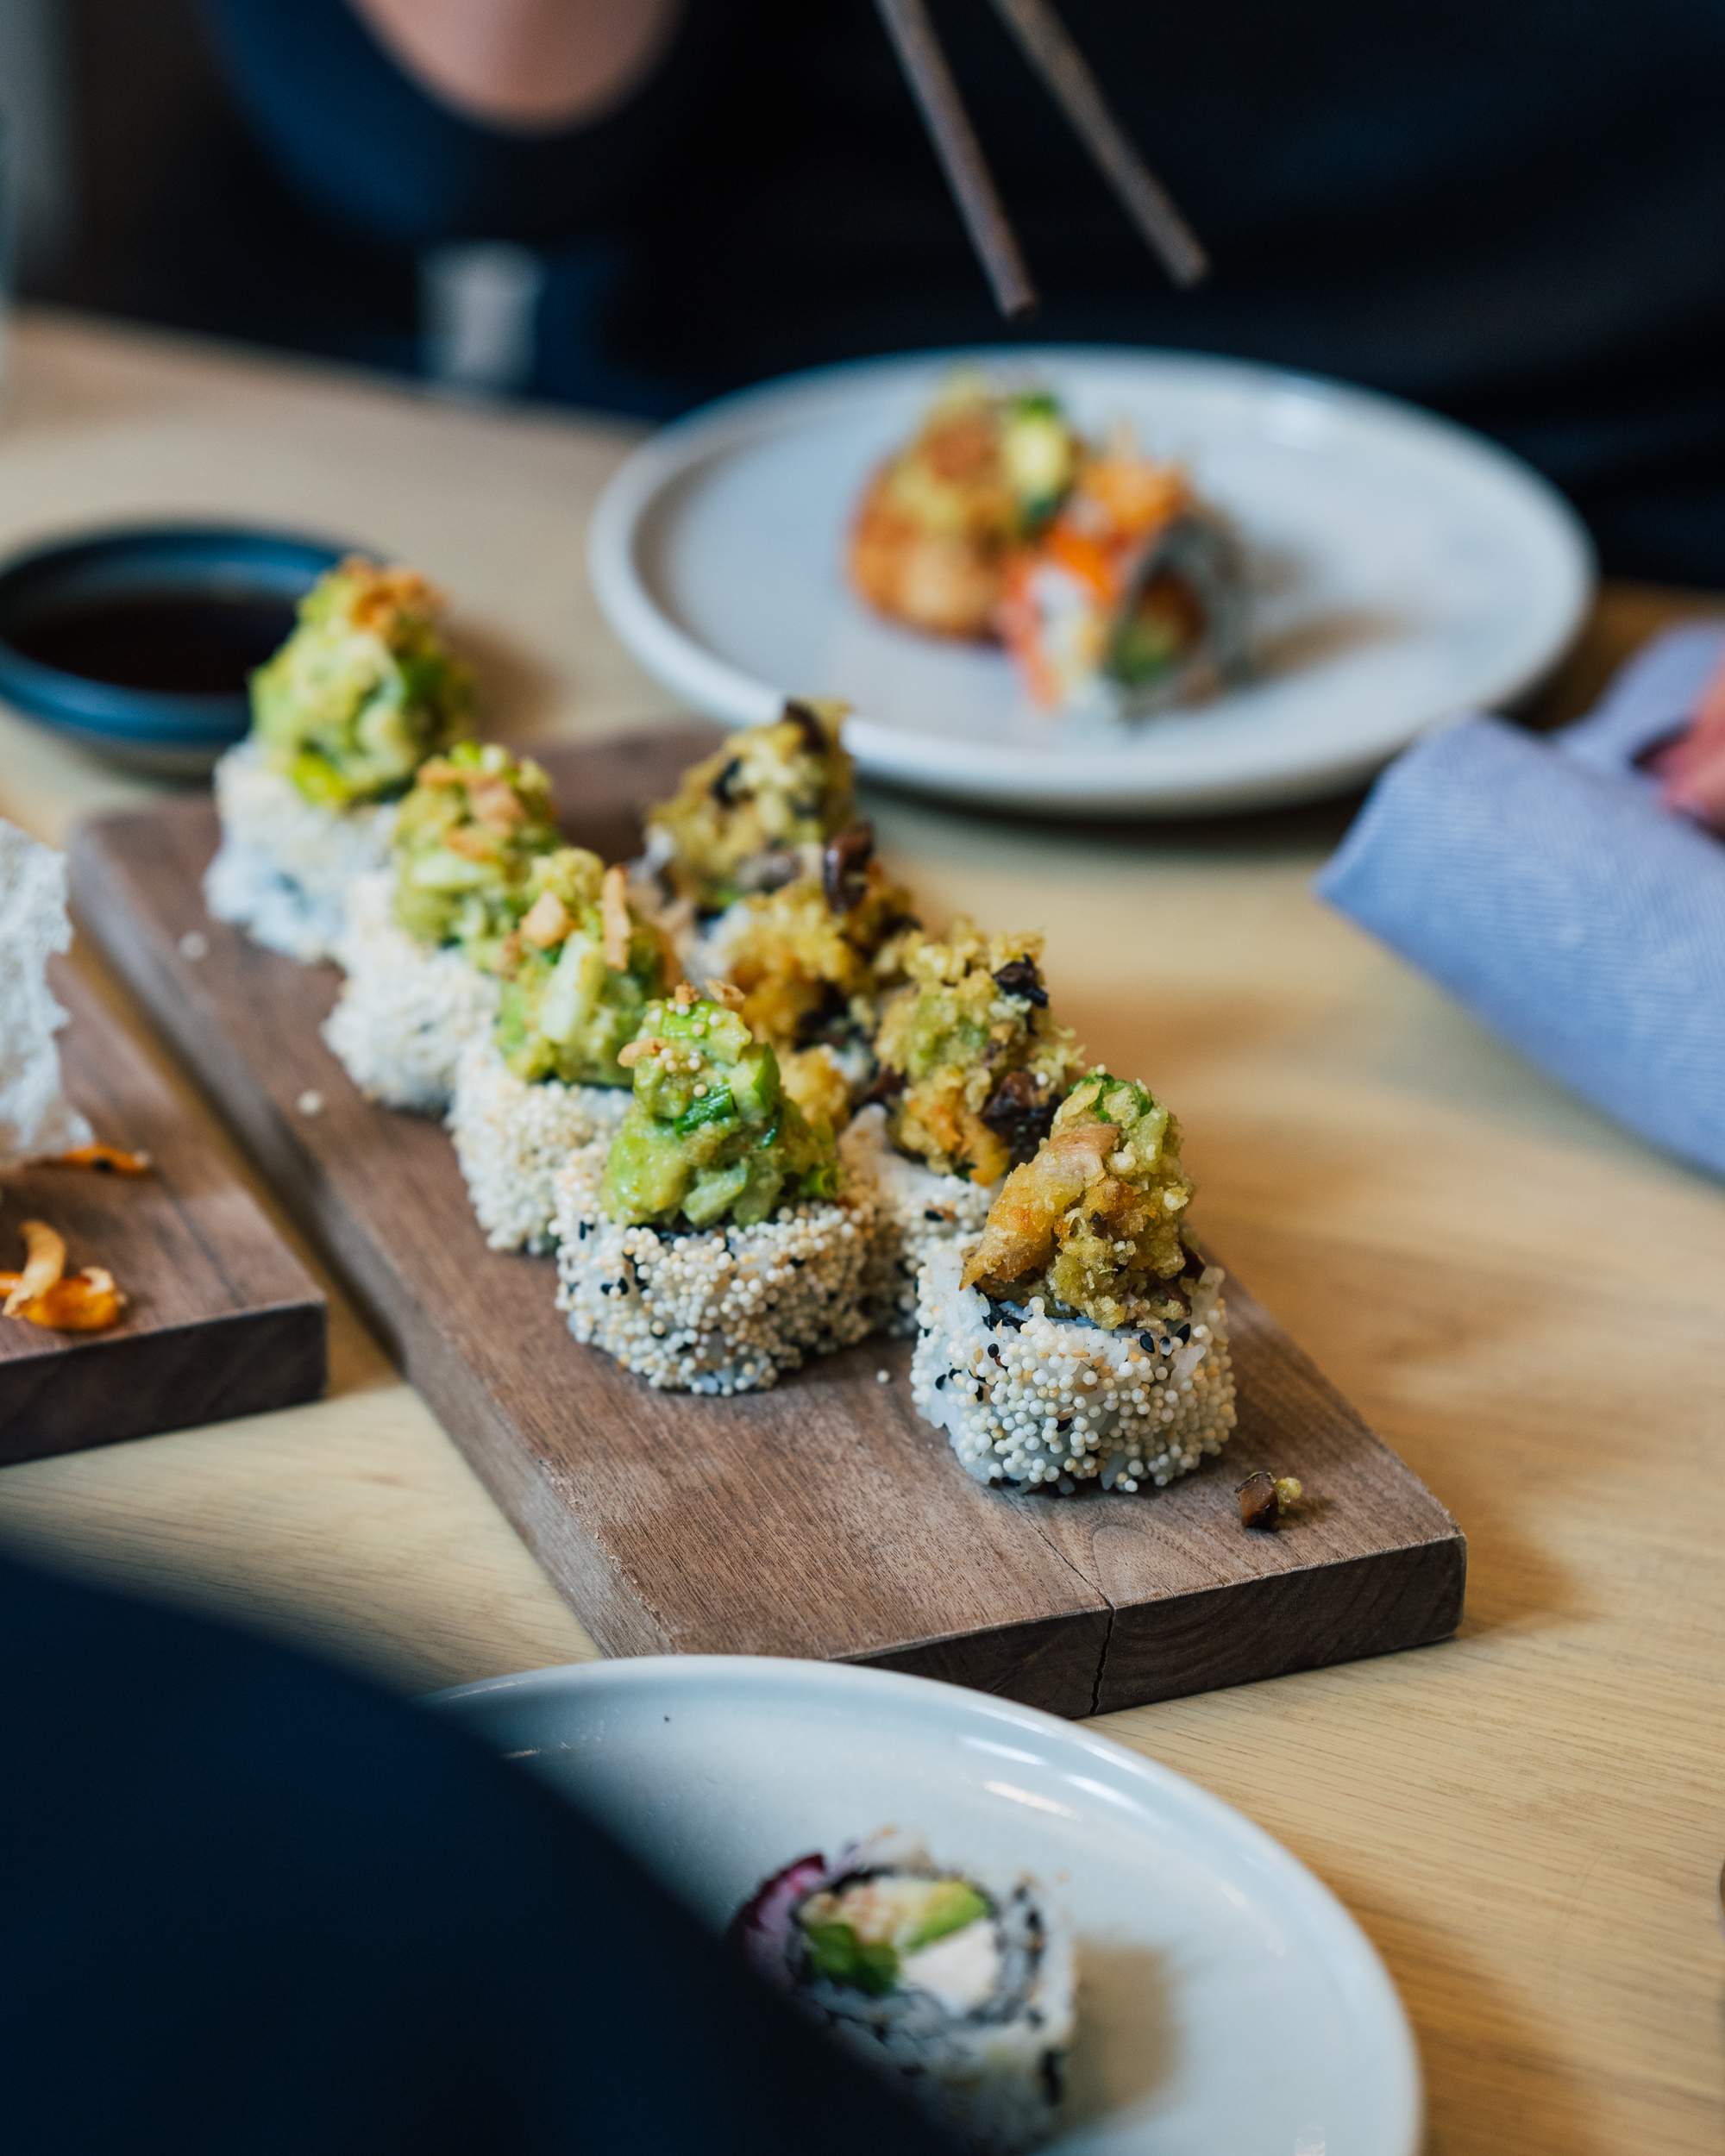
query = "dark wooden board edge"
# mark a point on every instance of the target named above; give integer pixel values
(108, 1390)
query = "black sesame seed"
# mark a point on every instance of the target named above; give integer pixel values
(1183, 1333)
(994, 1350)
(940, 1381)
(932, 1212)
(1147, 1342)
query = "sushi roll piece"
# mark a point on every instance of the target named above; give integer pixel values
(814, 960)
(970, 1066)
(1080, 1337)
(753, 815)
(423, 941)
(1132, 598)
(712, 1245)
(964, 1988)
(342, 716)
(941, 518)
(549, 1079)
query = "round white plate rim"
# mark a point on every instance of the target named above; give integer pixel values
(1014, 778)
(1367, 1982)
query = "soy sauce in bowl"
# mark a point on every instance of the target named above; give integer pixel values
(170, 640)
(138, 642)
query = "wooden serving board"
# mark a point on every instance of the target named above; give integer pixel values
(822, 1518)
(222, 1321)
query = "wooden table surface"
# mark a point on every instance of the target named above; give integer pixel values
(1528, 1820)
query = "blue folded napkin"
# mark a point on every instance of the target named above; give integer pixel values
(1540, 881)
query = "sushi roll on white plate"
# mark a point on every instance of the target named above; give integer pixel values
(1132, 598)
(549, 1079)
(422, 940)
(712, 1246)
(963, 1988)
(1080, 1339)
(344, 714)
(970, 1066)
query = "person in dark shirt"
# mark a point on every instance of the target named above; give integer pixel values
(249, 1904)
(1510, 209)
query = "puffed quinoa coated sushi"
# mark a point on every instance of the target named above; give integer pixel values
(285, 865)
(1035, 1401)
(407, 1009)
(713, 1248)
(423, 941)
(512, 1136)
(1080, 1337)
(360, 694)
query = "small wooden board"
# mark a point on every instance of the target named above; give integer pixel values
(222, 1321)
(823, 1519)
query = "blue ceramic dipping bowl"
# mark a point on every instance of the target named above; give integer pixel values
(136, 641)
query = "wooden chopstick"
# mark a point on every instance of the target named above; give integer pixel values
(1050, 51)
(960, 154)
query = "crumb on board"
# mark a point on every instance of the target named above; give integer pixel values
(311, 1102)
(194, 946)
(43, 1294)
(883, 1377)
(1266, 1500)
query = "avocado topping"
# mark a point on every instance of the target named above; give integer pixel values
(973, 1064)
(756, 814)
(1092, 1223)
(865, 1930)
(713, 1134)
(365, 688)
(464, 844)
(579, 972)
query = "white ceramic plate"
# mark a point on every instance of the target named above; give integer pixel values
(1230, 2005)
(1405, 571)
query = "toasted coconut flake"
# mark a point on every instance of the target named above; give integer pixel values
(613, 904)
(44, 1266)
(723, 992)
(83, 1302)
(106, 1160)
(547, 921)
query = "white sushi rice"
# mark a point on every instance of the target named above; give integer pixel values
(1035, 1401)
(406, 1009)
(284, 867)
(710, 1310)
(512, 1137)
(915, 1212)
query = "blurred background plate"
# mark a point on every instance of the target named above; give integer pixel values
(1405, 571)
(1229, 2004)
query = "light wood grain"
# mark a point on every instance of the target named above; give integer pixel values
(222, 1321)
(823, 1517)
(1529, 1304)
